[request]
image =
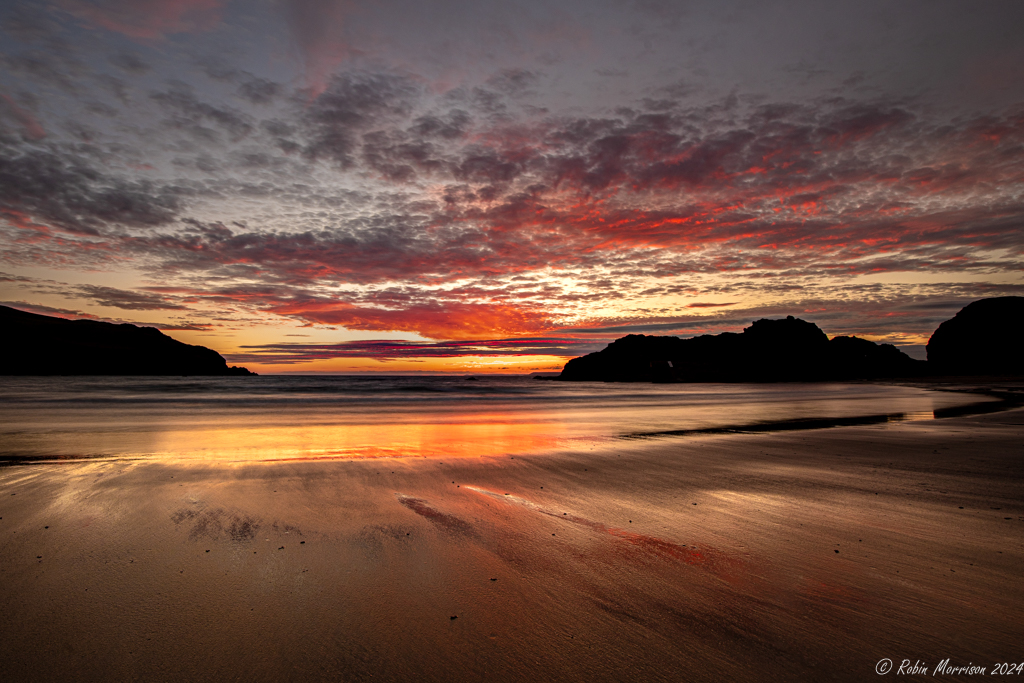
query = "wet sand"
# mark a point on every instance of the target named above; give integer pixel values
(799, 555)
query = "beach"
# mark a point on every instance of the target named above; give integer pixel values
(783, 555)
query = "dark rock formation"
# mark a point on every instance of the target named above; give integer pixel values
(856, 358)
(984, 338)
(768, 351)
(32, 344)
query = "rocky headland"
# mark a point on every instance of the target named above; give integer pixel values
(33, 344)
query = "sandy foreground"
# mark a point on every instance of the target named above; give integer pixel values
(785, 556)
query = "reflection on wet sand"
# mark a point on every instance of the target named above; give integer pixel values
(449, 523)
(657, 546)
(778, 555)
(343, 419)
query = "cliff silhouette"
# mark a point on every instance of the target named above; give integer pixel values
(786, 350)
(985, 338)
(33, 344)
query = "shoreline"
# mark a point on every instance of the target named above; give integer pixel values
(708, 558)
(997, 396)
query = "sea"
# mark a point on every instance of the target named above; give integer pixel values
(287, 417)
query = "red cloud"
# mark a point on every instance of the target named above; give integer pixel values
(448, 320)
(620, 206)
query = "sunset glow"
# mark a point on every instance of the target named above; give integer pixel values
(311, 186)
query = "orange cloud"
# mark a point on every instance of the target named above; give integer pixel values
(448, 320)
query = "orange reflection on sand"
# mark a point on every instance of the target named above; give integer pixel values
(724, 567)
(486, 435)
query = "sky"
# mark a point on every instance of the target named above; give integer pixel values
(400, 186)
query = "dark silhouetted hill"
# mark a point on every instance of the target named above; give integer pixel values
(984, 338)
(32, 344)
(786, 350)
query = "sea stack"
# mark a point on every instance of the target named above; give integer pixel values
(783, 350)
(985, 338)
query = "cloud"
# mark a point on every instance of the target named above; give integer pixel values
(380, 205)
(188, 113)
(30, 127)
(259, 90)
(72, 314)
(514, 82)
(317, 27)
(49, 187)
(127, 300)
(434, 320)
(148, 19)
(292, 353)
(351, 104)
(130, 63)
(75, 314)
